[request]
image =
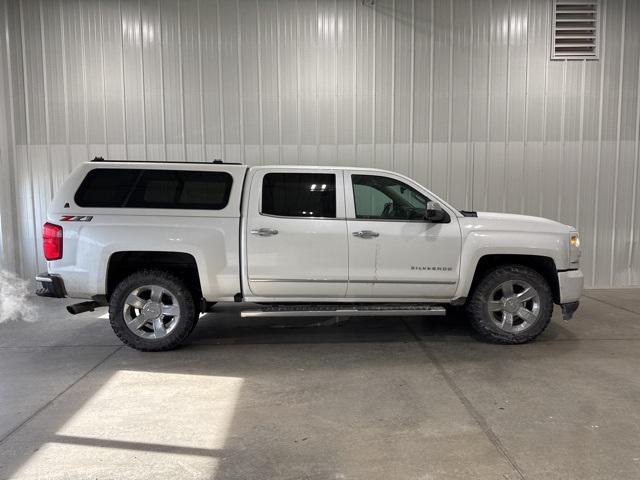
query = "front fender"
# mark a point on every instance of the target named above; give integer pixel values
(480, 244)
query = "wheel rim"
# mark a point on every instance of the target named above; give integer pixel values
(151, 312)
(514, 306)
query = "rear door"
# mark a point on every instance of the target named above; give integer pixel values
(296, 238)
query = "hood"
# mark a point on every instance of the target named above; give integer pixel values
(510, 221)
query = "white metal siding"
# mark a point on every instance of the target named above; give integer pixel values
(460, 95)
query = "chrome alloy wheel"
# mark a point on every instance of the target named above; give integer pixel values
(151, 312)
(514, 306)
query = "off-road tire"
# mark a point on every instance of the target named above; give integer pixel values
(477, 310)
(186, 301)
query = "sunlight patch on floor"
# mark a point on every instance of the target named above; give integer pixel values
(168, 423)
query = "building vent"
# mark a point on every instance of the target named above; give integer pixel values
(576, 30)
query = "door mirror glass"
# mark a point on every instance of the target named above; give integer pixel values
(434, 213)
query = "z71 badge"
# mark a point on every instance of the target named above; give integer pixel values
(76, 218)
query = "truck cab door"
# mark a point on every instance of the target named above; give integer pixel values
(296, 234)
(394, 252)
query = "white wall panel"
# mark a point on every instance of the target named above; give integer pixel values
(461, 95)
(8, 226)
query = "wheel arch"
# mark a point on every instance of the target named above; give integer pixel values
(545, 266)
(121, 264)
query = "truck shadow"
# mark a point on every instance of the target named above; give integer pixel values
(227, 327)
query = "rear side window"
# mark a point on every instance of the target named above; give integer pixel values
(299, 194)
(106, 188)
(180, 189)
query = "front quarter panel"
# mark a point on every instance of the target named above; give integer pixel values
(482, 238)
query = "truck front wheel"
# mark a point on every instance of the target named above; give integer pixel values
(510, 304)
(152, 311)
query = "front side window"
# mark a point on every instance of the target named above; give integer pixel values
(299, 195)
(384, 198)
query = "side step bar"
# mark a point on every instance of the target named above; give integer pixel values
(346, 311)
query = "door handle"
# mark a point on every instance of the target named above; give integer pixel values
(264, 232)
(366, 234)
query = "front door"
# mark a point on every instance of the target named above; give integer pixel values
(393, 251)
(296, 234)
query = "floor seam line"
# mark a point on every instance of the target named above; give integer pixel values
(65, 390)
(611, 304)
(27, 347)
(448, 341)
(475, 414)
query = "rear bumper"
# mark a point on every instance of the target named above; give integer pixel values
(571, 283)
(52, 286)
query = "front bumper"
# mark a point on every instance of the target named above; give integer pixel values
(571, 283)
(52, 286)
(568, 309)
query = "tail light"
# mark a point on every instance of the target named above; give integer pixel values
(52, 241)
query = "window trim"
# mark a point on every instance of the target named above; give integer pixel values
(141, 172)
(272, 215)
(298, 218)
(386, 220)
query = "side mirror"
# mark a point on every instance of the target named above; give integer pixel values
(434, 213)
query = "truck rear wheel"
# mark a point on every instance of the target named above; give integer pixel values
(152, 311)
(511, 304)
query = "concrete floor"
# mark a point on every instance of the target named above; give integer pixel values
(377, 398)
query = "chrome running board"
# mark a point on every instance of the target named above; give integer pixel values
(346, 311)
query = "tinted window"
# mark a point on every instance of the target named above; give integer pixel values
(155, 189)
(181, 189)
(385, 198)
(299, 194)
(106, 188)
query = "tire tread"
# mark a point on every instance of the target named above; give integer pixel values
(475, 307)
(188, 318)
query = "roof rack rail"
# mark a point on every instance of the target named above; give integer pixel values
(215, 161)
(219, 161)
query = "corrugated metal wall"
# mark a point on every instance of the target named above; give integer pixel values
(460, 95)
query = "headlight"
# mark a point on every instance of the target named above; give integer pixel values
(574, 247)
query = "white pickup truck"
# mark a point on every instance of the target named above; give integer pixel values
(161, 242)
